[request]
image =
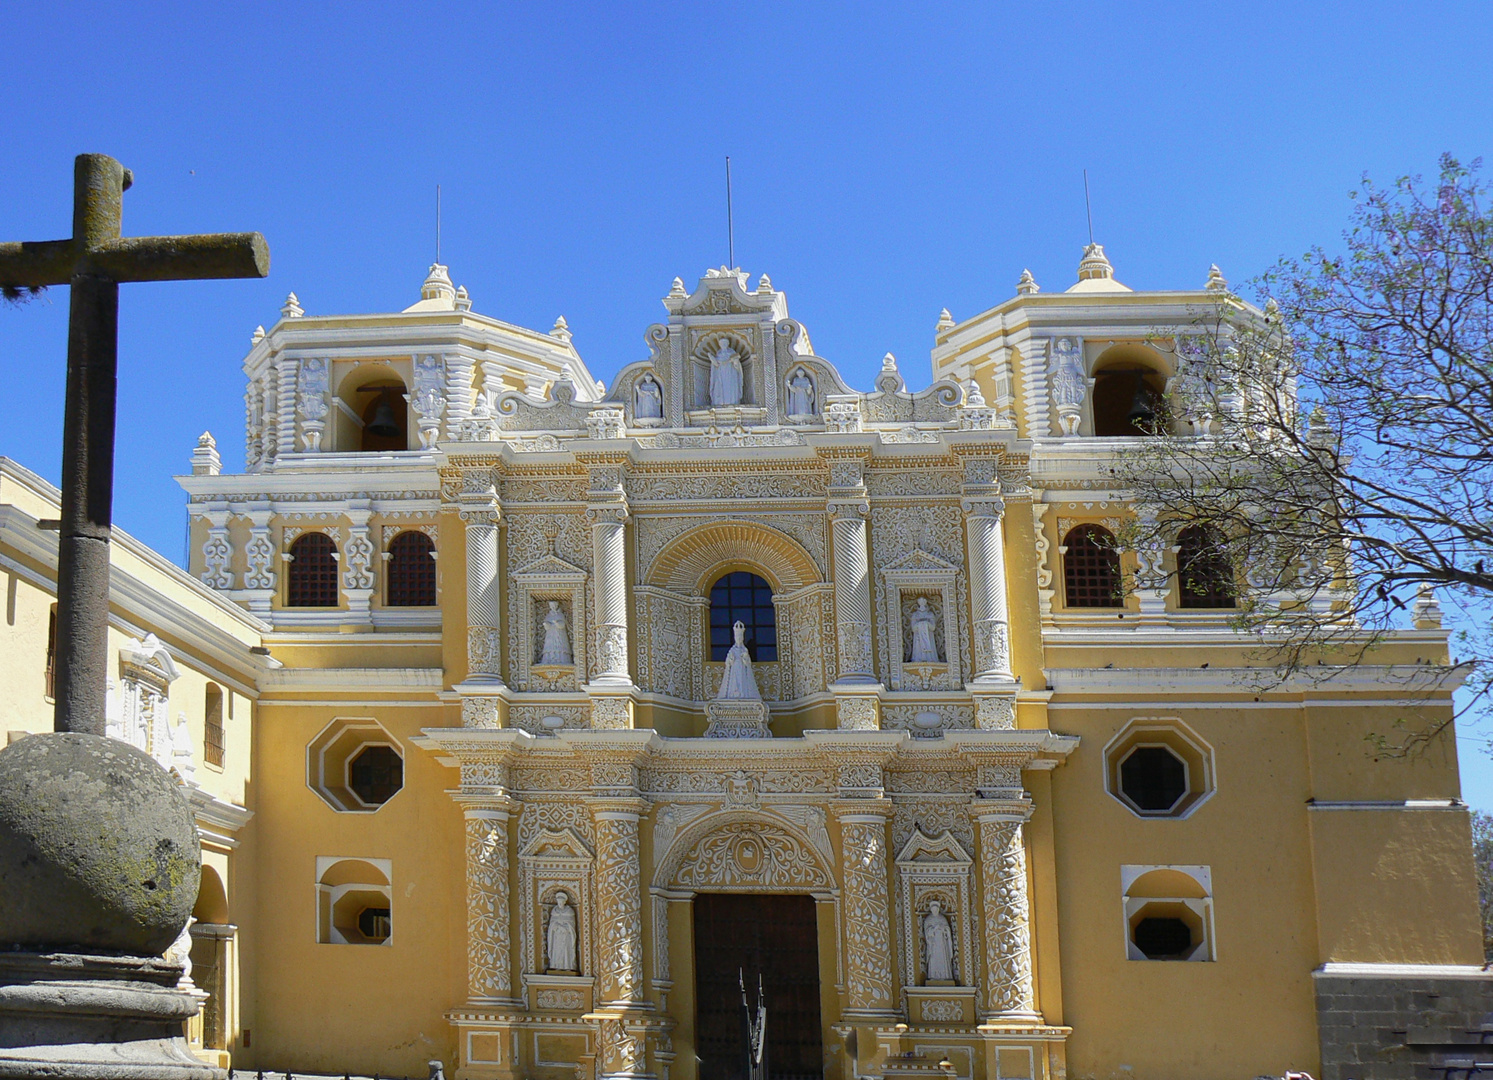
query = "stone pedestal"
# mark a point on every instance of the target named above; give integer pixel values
(65, 1015)
(737, 720)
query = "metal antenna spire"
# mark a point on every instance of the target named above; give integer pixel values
(438, 223)
(730, 222)
(1087, 208)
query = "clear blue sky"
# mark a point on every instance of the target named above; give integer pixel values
(890, 159)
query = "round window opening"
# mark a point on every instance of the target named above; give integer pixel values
(1163, 938)
(1153, 778)
(375, 774)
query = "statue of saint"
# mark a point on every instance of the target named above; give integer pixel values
(800, 394)
(725, 375)
(924, 647)
(649, 403)
(938, 944)
(1068, 383)
(559, 940)
(556, 647)
(737, 681)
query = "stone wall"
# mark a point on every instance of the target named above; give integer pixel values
(1387, 1027)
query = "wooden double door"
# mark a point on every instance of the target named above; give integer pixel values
(777, 937)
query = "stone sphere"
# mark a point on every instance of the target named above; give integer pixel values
(98, 847)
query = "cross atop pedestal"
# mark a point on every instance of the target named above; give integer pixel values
(94, 261)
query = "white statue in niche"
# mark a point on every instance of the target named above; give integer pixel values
(801, 394)
(556, 646)
(922, 623)
(559, 939)
(737, 681)
(938, 945)
(649, 399)
(725, 375)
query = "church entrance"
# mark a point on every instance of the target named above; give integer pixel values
(778, 938)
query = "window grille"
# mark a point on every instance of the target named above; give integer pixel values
(411, 571)
(1203, 572)
(313, 572)
(744, 597)
(212, 737)
(1091, 568)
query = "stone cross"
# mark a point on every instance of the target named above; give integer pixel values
(93, 262)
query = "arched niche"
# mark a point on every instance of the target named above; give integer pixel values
(212, 898)
(674, 598)
(1126, 379)
(369, 392)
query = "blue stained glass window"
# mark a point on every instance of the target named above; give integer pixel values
(744, 597)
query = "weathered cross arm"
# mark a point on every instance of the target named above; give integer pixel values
(94, 262)
(136, 258)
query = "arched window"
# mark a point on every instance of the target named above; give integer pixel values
(212, 738)
(1091, 568)
(411, 571)
(744, 597)
(312, 576)
(1129, 401)
(1203, 573)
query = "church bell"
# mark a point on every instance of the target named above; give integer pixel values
(382, 425)
(1142, 412)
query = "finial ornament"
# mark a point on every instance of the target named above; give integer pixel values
(945, 321)
(437, 284)
(973, 399)
(676, 290)
(1272, 310)
(1426, 614)
(561, 329)
(463, 299)
(292, 308)
(1094, 264)
(1217, 283)
(1027, 285)
(257, 336)
(205, 459)
(764, 284)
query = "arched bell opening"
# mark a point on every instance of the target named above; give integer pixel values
(1129, 395)
(373, 414)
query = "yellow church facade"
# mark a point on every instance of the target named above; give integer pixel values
(564, 709)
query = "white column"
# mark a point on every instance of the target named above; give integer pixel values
(987, 587)
(217, 552)
(358, 577)
(852, 591)
(868, 915)
(481, 515)
(489, 949)
(619, 904)
(1008, 950)
(609, 561)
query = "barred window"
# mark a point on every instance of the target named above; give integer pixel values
(1091, 568)
(411, 571)
(1203, 573)
(744, 597)
(212, 738)
(312, 577)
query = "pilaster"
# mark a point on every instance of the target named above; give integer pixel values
(481, 513)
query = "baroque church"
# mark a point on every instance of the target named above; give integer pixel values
(570, 714)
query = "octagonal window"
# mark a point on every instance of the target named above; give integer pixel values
(1168, 912)
(1158, 767)
(355, 765)
(1153, 778)
(374, 774)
